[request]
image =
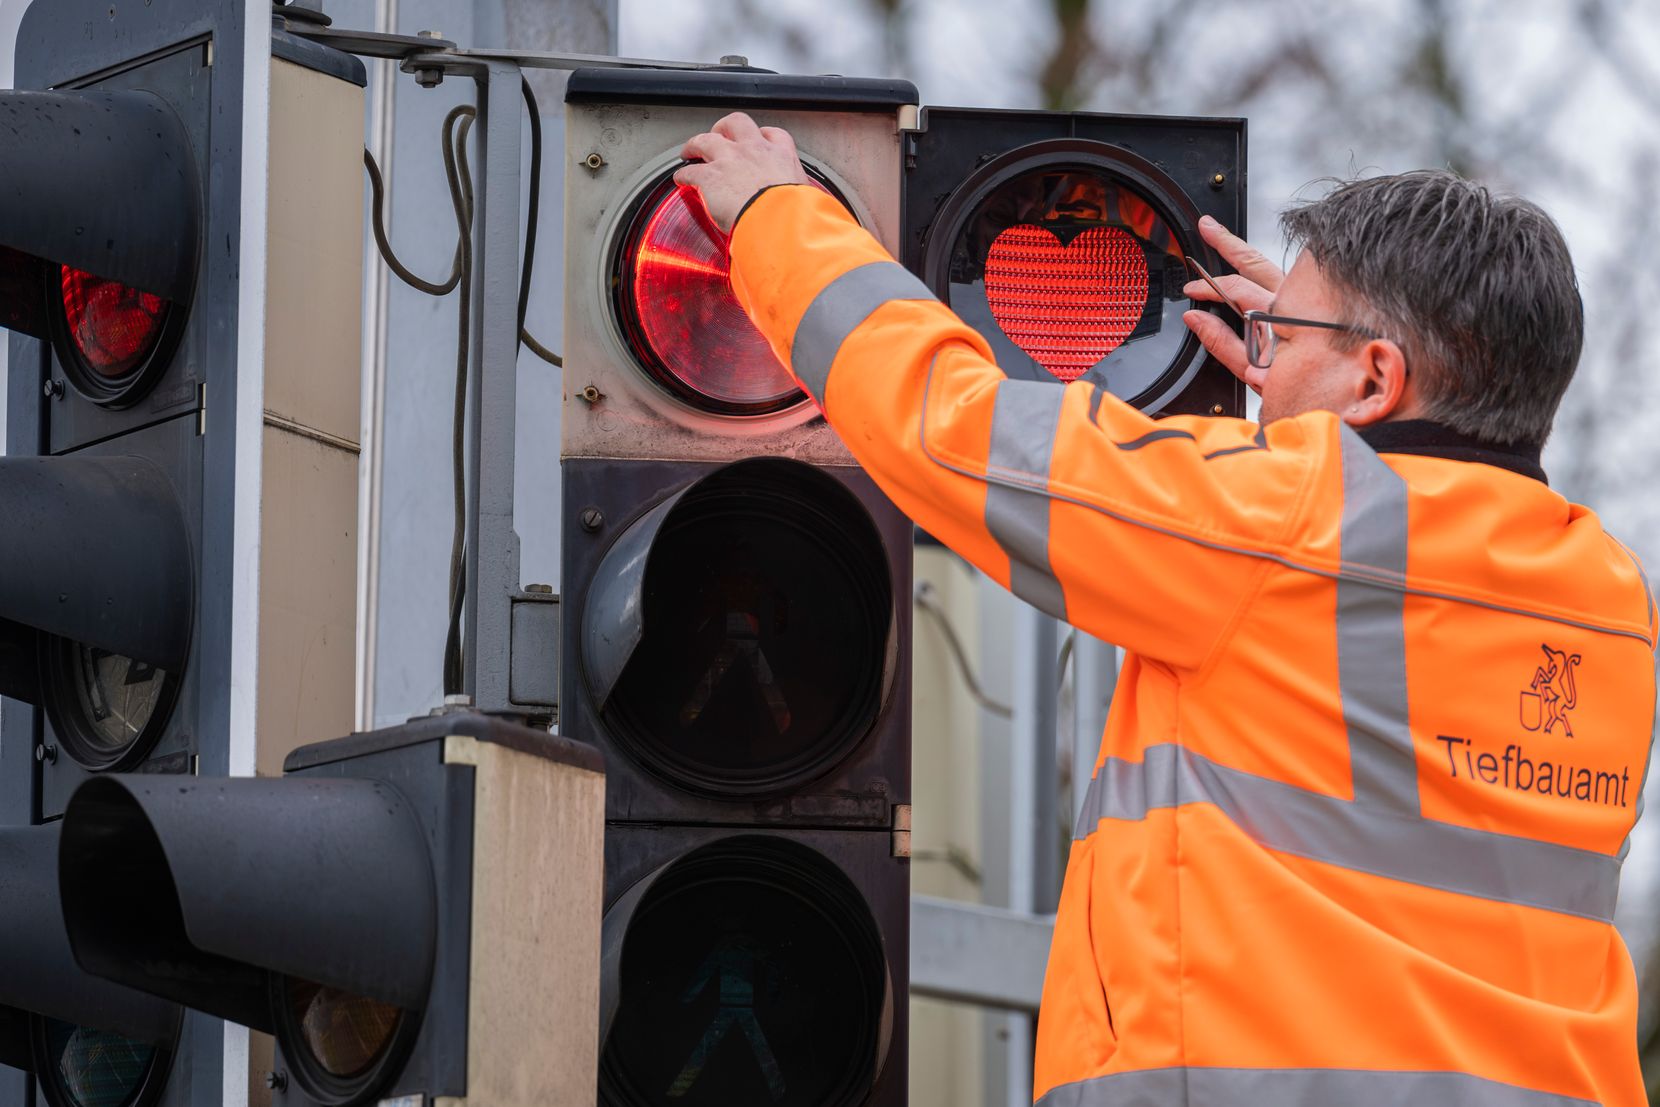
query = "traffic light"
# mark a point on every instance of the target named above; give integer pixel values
(409, 911)
(86, 1040)
(738, 593)
(102, 231)
(1062, 239)
(737, 636)
(180, 270)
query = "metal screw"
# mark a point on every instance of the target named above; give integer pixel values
(46, 754)
(53, 390)
(539, 589)
(276, 1081)
(429, 76)
(594, 161)
(592, 518)
(734, 59)
(591, 394)
(1217, 409)
(429, 34)
(1218, 180)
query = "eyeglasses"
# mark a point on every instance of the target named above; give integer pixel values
(1261, 341)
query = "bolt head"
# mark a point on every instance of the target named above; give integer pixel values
(592, 518)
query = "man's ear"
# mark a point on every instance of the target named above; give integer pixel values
(1381, 388)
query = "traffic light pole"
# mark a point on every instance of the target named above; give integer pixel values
(493, 547)
(507, 668)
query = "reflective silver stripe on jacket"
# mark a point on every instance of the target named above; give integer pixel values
(1025, 418)
(1024, 421)
(838, 310)
(1218, 1087)
(1371, 630)
(1365, 837)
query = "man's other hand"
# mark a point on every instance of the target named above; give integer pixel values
(1252, 288)
(734, 161)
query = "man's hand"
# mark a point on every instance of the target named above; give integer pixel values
(734, 161)
(1252, 288)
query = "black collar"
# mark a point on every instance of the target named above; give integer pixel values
(1432, 439)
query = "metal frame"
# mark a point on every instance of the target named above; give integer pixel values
(493, 577)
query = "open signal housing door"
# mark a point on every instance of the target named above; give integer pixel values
(1060, 236)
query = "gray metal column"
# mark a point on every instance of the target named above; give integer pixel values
(493, 548)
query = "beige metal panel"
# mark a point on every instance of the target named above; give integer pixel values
(946, 1038)
(314, 244)
(307, 595)
(309, 450)
(538, 881)
(634, 418)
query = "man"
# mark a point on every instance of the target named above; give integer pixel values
(1331, 854)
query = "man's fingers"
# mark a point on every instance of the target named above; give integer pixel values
(692, 175)
(704, 147)
(1224, 345)
(778, 136)
(737, 127)
(1244, 257)
(1249, 295)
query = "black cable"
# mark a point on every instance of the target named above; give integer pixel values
(458, 172)
(457, 124)
(531, 215)
(377, 219)
(928, 605)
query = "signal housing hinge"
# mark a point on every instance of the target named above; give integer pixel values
(901, 830)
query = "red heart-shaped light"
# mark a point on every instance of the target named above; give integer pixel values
(1066, 306)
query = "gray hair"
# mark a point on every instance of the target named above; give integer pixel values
(1477, 289)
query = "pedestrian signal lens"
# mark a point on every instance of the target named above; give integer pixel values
(683, 320)
(93, 1068)
(766, 614)
(113, 327)
(1077, 272)
(753, 973)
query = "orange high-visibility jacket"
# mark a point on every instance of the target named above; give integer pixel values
(1355, 831)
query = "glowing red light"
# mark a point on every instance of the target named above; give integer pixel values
(114, 326)
(1066, 306)
(682, 302)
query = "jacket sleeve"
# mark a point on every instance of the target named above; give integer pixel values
(1148, 534)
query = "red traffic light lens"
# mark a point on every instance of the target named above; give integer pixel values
(1070, 305)
(682, 318)
(1067, 256)
(113, 326)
